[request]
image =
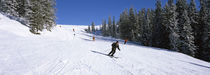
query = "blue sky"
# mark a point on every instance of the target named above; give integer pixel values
(83, 12)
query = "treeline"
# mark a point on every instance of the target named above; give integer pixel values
(177, 26)
(92, 29)
(36, 14)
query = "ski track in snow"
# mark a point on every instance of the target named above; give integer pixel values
(61, 53)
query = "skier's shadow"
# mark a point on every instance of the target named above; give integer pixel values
(104, 54)
(99, 53)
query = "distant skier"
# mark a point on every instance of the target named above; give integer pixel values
(114, 46)
(125, 41)
(93, 38)
(73, 30)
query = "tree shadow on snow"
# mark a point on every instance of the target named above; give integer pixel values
(199, 65)
(196, 64)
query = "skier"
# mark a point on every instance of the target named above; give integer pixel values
(114, 46)
(125, 41)
(93, 38)
(73, 30)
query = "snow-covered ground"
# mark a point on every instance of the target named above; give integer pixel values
(60, 52)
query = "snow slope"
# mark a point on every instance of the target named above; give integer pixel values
(61, 53)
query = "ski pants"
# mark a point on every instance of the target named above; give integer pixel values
(112, 52)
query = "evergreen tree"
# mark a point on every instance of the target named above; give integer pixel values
(170, 3)
(142, 25)
(36, 21)
(139, 30)
(204, 22)
(141, 22)
(117, 30)
(110, 26)
(136, 26)
(159, 35)
(89, 30)
(93, 27)
(104, 28)
(148, 28)
(152, 23)
(37, 14)
(1, 5)
(171, 24)
(15, 9)
(49, 13)
(187, 45)
(132, 24)
(9, 7)
(21, 8)
(208, 4)
(193, 16)
(114, 28)
(124, 28)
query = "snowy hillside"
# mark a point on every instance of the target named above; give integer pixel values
(61, 53)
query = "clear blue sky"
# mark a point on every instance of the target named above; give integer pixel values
(83, 12)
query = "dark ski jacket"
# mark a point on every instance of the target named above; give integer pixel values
(115, 45)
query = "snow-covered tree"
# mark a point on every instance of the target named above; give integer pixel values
(204, 22)
(21, 8)
(104, 28)
(132, 24)
(114, 28)
(193, 16)
(88, 30)
(9, 7)
(142, 25)
(49, 13)
(136, 27)
(159, 35)
(187, 44)
(124, 28)
(148, 28)
(37, 14)
(93, 27)
(171, 25)
(152, 23)
(41, 15)
(110, 26)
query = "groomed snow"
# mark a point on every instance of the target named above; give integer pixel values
(61, 53)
